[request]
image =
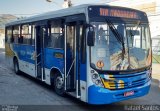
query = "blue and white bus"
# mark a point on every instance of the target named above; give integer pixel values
(99, 54)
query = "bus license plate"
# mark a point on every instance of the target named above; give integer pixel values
(130, 93)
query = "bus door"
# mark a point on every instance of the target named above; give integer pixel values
(72, 77)
(39, 48)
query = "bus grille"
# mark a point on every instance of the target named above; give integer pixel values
(124, 81)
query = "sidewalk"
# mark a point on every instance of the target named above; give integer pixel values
(156, 72)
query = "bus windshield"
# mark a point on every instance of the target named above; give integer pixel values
(135, 53)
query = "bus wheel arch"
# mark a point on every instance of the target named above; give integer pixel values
(57, 81)
(16, 65)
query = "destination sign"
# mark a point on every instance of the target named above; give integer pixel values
(118, 13)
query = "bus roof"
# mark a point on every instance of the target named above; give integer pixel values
(59, 13)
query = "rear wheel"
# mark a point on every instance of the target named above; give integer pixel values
(16, 66)
(59, 84)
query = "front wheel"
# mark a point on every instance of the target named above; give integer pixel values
(16, 66)
(59, 84)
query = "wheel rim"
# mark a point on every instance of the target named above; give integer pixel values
(59, 82)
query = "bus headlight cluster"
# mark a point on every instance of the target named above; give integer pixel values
(96, 79)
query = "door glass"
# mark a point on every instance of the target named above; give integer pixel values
(70, 37)
(70, 57)
(40, 34)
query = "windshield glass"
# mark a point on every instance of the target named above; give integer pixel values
(109, 51)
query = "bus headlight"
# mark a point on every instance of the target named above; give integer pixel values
(96, 79)
(94, 76)
(98, 82)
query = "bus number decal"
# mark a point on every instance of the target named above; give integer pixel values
(58, 55)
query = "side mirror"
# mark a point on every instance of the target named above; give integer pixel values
(90, 38)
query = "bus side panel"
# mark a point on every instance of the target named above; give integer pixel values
(26, 58)
(53, 58)
(83, 83)
(25, 53)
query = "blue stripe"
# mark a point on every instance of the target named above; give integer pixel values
(24, 52)
(51, 60)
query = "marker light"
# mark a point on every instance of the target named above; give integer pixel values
(100, 64)
(94, 76)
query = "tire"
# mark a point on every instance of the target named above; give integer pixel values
(59, 84)
(16, 67)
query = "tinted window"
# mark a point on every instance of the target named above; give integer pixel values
(8, 35)
(16, 33)
(33, 34)
(56, 34)
(26, 34)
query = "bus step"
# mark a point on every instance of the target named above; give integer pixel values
(74, 94)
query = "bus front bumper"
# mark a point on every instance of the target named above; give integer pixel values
(98, 95)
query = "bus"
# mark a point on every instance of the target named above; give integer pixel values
(99, 54)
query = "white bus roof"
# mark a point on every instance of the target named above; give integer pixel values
(53, 14)
(59, 13)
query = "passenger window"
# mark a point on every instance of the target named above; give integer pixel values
(9, 35)
(56, 34)
(33, 34)
(16, 34)
(26, 34)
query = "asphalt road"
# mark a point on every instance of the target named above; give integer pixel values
(24, 90)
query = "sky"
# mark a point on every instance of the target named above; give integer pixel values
(33, 7)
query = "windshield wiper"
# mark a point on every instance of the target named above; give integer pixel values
(118, 36)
